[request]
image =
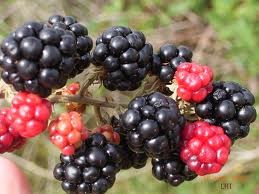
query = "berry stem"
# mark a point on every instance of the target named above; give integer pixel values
(98, 114)
(150, 84)
(30, 166)
(86, 100)
(93, 73)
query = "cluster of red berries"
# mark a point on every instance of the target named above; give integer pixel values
(152, 126)
(9, 138)
(205, 147)
(194, 81)
(27, 117)
(67, 132)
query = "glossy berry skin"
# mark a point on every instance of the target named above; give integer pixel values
(92, 169)
(29, 114)
(10, 140)
(73, 89)
(168, 58)
(194, 81)
(125, 57)
(39, 57)
(67, 132)
(109, 133)
(130, 159)
(152, 124)
(205, 148)
(172, 170)
(229, 106)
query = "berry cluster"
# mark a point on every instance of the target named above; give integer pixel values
(153, 124)
(167, 60)
(74, 43)
(92, 169)
(172, 170)
(194, 81)
(129, 158)
(67, 132)
(205, 147)
(38, 57)
(229, 106)
(29, 114)
(10, 139)
(125, 57)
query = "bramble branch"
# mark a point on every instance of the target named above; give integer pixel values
(86, 100)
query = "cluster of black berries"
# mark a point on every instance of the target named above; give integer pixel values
(92, 169)
(168, 58)
(129, 158)
(172, 170)
(229, 106)
(125, 57)
(153, 125)
(38, 57)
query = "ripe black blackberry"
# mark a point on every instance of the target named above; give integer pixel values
(230, 106)
(168, 58)
(125, 57)
(92, 169)
(38, 57)
(153, 125)
(82, 44)
(172, 170)
(129, 158)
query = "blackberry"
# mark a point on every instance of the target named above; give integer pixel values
(229, 106)
(168, 58)
(129, 158)
(74, 42)
(39, 57)
(92, 169)
(125, 57)
(153, 125)
(172, 170)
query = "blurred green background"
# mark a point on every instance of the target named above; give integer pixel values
(222, 33)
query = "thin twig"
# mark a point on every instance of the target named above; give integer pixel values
(98, 114)
(86, 100)
(30, 166)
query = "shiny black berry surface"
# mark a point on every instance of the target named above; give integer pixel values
(125, 57)
(172, 170)
(229, 106)
(153, 124)
(38, 57)
(168, 58)
(130, 159)
(92, 169)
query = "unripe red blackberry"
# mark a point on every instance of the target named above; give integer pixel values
(172, 170)
(205, 148)
(29, 114)
(168, 58)
(153, 125)
(229, 106)
(10, 139)
(125, 57)
(39, 57)
(92, 169)
(67, 132)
